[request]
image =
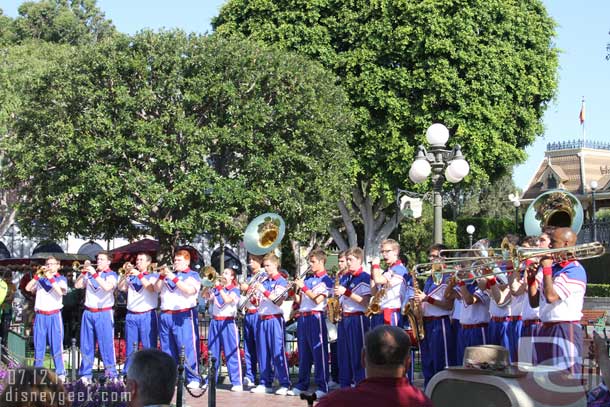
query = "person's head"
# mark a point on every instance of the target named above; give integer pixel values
(271, 263)
(33, 387)
(544, 240)
(182, 260)
(530, 241)
(256, 262)
(386, 352)
(434, 251)
(151, 378)
(354, 257)
(390, 249)
(563, 237)
(103, 261)
(342, 259)
(52, 264)
(317, 260)
(229, 274)
(143, 260)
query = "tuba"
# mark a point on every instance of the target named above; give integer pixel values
(264, 233)
(553, 208)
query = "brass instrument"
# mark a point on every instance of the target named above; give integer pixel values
(126, 269)
(435, 269)
(559, 254)
(41, 271)
(557, 208)
(374, 307)
(76, 266)
(211, 278)
(333, 304)
(413, 311)
(284, 294)
(264, 233)
(251, 291)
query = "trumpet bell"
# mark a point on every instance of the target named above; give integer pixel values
(264, 233)
(553, 208)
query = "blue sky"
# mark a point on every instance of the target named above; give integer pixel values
(582, 36)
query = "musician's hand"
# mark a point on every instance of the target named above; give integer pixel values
(340, 290)
(299, 283)
(260, 287)
(376, 261)
(546, 262)
(419, 296)
(169, 275)
(243, 287)
(90, 270)
(482, 283)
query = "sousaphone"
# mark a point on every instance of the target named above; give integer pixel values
(556, 208)
(264, 233)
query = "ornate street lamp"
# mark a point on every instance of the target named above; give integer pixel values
(593, 223)
(470, 230)
(444, 165)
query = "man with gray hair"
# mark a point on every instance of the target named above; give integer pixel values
(151, 378)
(385, 358)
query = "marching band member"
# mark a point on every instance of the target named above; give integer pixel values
(474, 318)
(179, 293)
(437, 349)
(312, 334)
(49, 289)
(559, 290)
(223, 333)
(394, 280)
(334, 355)
(271, 330)
(250, 326)
(355, 292)
(98, 319)
(141, 320)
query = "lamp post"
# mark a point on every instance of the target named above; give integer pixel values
(470, 230)
(517, 204)
(593, 224)
(437, 160)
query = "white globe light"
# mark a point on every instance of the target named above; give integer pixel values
(437, 134)
(420, 169)
(470, 229)
(593, 184)
(516, 203)
(450, 177)
(511, 197)
(458, 168)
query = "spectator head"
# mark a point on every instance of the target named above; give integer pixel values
(386, 352)
(151, 378)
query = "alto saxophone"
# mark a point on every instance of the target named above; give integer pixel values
(413, 311)
(333, 305)
(374, 307)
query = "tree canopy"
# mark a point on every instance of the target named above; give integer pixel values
(173, 135)
(484, 68)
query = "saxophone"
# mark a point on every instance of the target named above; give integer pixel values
(374, 307)
(413, 311)
(334, 307)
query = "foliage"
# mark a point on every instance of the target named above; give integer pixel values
(487, 199)
(173, 135)
(603, 215)
(74, 22)
(486, 69)
(416, 235)
(598, 290)
(7, 36)
(597, 269)
(490, 228)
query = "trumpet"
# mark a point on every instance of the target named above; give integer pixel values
(76, 266)
(41, 271)
(126, 269)
(211, 278)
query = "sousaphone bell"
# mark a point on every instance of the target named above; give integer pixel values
(556, 208)
(264, 233)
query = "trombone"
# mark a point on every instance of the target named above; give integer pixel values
(559, 254)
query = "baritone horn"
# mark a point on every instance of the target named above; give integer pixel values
(556, 208)
(264, 233)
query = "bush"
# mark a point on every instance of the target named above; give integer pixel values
(598, 290)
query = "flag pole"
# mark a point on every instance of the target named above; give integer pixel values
(581, 117)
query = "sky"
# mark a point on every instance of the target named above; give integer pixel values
(582, 37)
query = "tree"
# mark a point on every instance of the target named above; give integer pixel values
(486, 69)
(489, 199)
(6, 29)
(174, 135)
(74, 22)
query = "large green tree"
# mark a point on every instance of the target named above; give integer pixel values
(174, 135)
(484, 68)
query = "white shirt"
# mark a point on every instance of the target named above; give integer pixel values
(140, 299)
(219, 308)
(95, 296)
(320, 285)
(570, 283)
(173, 298)
(49, 300)
(274, 286)
(478, 312)
(361, 285)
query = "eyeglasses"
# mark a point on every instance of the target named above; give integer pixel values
(387, 251)
(52, 263)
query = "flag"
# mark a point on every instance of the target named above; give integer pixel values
(581, 115)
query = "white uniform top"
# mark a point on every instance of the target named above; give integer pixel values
(517, 304)
(497, 311)
(359, 283)
(320, 284)
(173, 298)
(95, 296)
(274, 286)
(219, 308)
(436, 292)
(570, 283)
(476, 313)
(395, 294)
(140, 299)
(49, 300)
(458, 307)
